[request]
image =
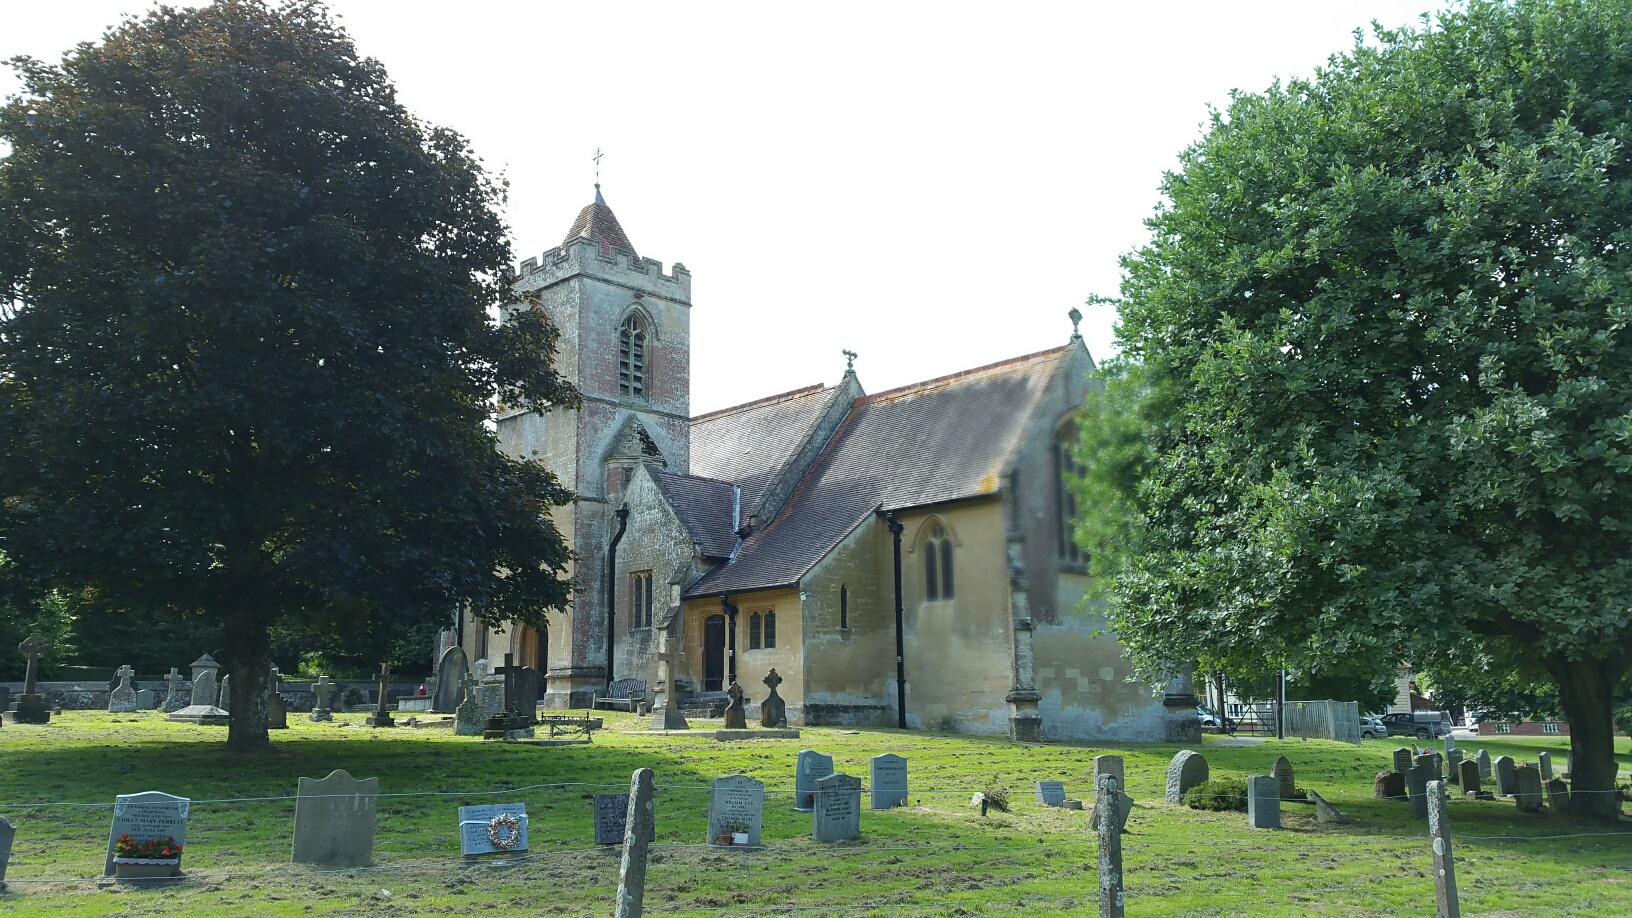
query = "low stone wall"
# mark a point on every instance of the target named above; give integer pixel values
(812, 714)
(297, 696)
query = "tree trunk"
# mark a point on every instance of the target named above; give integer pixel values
(1587, 690)
(247, 660)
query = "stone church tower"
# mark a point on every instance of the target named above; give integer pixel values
(626, 343)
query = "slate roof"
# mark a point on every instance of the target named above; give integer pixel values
(596, 221)
(748, 444)
(704, 506)
(941, 440)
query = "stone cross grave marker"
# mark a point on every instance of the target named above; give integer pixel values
(144, 816)
(773, 711)
(508, 673)
(1544, 761)
(809, 767)
(667, 716)
(172, 694)
(1505, 783)
(7, 833)
(612, 819)
(382, 715)
(737, 798)
(1263, 802)
(1467, 772)
(888, 776)
(29, 707)
(1282, 773)
(123, 698)
(497, 828)
(735, 716)
(277, 713)
(1527, 788)
(470, 719)
(1402, 759)
(450, 680)
(1416, 789)
(1185, 771)
(32, 648)
(1484, 765)
(838, 808)
(334, 820)
(1051, 793)
(322, 689)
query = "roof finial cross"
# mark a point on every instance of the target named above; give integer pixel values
(597, 158)
(1075, 316)
(849, 361)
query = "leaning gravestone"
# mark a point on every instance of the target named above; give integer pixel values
(838, 808)
(889, 780)
(334, 820)
(1503, 768)
(1527, 788)
(1416, 789)
(1468, 775)
(1051, 793)
(497, 828)
(1282, 773)
(7, 833)
(450, 681)
(1185, 771)
(612, 819)
(1110, 766)
(145, 816)
(1263, 802)
(1389, 785)
(1544, 761)
(123, 698)
(1484, 765)
(809, 767)
(1402, 759)
(735, 799)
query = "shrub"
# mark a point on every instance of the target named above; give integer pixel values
(1218, 794)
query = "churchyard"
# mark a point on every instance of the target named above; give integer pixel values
(935, 855)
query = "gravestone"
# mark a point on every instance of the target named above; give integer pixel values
(201, 706)
(888, 776)
(7, 833)
(1558, 796)
(1544, 761)
(173, 698)
(471, 718)
(1503, 769)
(146, 700)
(1109, 765)
(1468, 776)
(334, 820)
(29, 707)
(1263, 802)
(382, 716)
(1389, 785)
(1429, 761)
(490, 696)
(148, 815)
(667, 716)
(737, 798)
(526, 701)
(1282, 773)
(838, 808)
(1527, 788)
(277, 713)
(809, 767)
(1416, 789)
(1453, 761)
(735, 719)
(450, 681)
(1051, 793)
(1185, 771)
(480, 669)
(1402, 759)
(612, 819)
(1449, 745)
(322, 689)
(496, 828)
(1484, 765)
(773, 711)
(224, 697)
(122, 700)
(1325, 813)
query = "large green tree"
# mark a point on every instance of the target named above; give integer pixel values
(247, 355)
(1380, 335)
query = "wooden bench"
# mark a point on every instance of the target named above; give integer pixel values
(623, 694)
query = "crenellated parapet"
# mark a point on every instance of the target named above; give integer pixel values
(584, 256)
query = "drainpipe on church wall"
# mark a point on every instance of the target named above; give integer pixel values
(900, 637)
(612, 585)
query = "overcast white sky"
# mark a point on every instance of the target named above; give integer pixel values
(931, 185)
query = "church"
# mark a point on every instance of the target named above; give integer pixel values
(845, 539)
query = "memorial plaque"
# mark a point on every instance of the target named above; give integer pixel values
(838, 808)
(735, 798)
(611, 819)
(496, 828)
(1051, 793)
(889, 780)
(810, 767)
(147, 815)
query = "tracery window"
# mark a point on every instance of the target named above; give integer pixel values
(938, 564)
(632, 357)
(640, 599)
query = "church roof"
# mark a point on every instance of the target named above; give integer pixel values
(748, 444)
(941, 440)
(705, 508)
(596, 221)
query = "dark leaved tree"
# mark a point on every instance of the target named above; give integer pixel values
(247, 353)
(1384, 324)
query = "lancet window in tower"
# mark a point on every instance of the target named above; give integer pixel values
(632, 357)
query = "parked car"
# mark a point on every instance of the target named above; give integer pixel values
(1372, 727)
(1420, 724)
(1209, 719)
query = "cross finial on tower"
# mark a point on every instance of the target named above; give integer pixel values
(849, 361)
(1075, 316)
(597, 158)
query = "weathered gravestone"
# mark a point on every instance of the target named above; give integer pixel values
(382, 715)
(1527, 788)
(735, 718)
(612, 819)
(1484, 765)
(809, 767)
(496, 828)
(888, 777)
(1468, 776)
(490, 696)
(7, 833)
(1449, 745)
(1051, 793)
(1544, 761)
(1503, 769)
(1263, 802)
(1325, 813)
(146, 816)
(667, 716)
(838, 808)
(322, 689)
(1453, 761)
(1416, 789)
(334, 820)
(224, 697)
(146, 700)
(450, 680)
(174, 700)
(1389, 785)
(1429, 761)
(1185, 771)
(471, 717)
(1281, 771)
(528, 682)
(277, 713)
(1402, 759)
(773, 711)
(1558, 796)
(29, 707)
(736, 799)
(201, 707)
(1110, 766)
(122, 700)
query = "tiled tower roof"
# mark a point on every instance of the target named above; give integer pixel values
(596, 221)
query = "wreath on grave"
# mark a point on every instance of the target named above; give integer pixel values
(504, 831)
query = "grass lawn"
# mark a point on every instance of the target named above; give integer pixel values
(936, 856)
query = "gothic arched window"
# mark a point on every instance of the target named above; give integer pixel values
(938, 564)
(753, 631)
(632, 357)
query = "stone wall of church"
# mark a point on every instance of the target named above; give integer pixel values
(847, 669)
(654, 540)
